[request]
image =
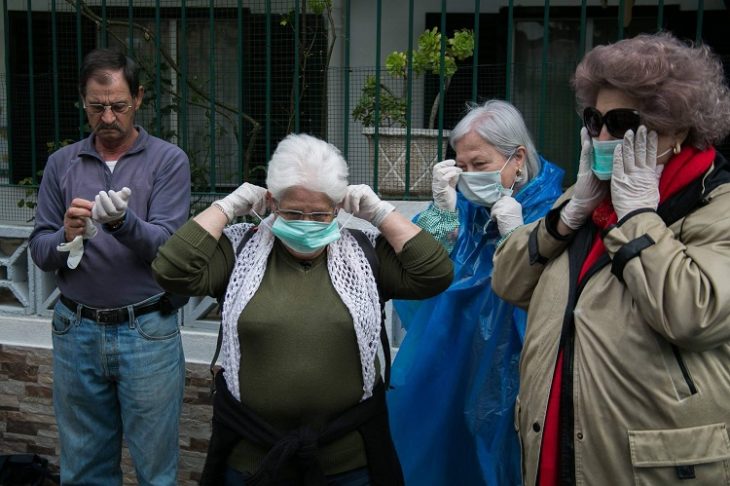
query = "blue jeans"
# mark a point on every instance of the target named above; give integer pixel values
(355, 477)
(113, 380)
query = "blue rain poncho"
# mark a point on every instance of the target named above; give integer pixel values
(456, 374)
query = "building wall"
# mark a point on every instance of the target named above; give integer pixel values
(28, 425)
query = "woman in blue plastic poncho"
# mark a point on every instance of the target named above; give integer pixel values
(455, 376)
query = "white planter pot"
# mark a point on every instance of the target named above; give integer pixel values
(392, 159)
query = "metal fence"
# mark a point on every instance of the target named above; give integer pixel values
(226, 80)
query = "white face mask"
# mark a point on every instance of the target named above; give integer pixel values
(484, 188)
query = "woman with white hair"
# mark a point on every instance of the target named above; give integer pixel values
(300, 399)
(455, 375)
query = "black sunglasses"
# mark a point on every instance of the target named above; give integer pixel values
(618, 121)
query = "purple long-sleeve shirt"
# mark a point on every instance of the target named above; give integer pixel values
(115, 269)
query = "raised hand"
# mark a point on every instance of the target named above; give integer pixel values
(362, 202)
(634, 183)
(443, 184)
(242, 201)
(588, 191)
(110, 206)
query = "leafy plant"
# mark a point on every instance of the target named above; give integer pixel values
(426, 58)
(30, 196)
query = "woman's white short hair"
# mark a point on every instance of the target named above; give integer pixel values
(306, 161)
(500, 124)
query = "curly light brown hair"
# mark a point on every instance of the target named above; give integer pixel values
(678, 86)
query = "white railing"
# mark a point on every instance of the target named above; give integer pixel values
(27, 291)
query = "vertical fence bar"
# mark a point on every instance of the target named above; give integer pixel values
(583, 28)
(577, 123)
(158, 70)
(621, 7)
(376, 119)
(475, 55)
(700, 18)
(660, 16)
(442, 80)
(295, 81)
(242, 169)
(508, 59)
(103, 40)
(409, 99)
(544, 73)
(79, 60)
(267, 121)
(212, 94)
(31, 89)
(130, 28)
(8, 87)
(183, 104)
(54, 75)
(346, 83)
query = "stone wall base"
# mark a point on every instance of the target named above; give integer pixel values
(28, 424)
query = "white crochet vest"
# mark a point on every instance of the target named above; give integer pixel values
(351, 277)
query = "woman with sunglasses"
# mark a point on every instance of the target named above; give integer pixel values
(300, 399)
(624, 371)
(455, 375)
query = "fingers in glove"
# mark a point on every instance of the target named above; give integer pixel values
(118, 201)
(652, 141)
(100, 211)
(450, 175)
(586, 152)
(640, 147)
(628, 149)
(444, 163)
(618, 164)
(352, 200)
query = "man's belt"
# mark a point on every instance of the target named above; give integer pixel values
(109, 316)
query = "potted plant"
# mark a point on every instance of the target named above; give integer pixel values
(392, 114)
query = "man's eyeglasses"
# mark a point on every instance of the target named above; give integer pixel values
(618, 121)
(98, 108)
(295, 215)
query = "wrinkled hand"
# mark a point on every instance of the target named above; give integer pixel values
(75, 247)
(634, 182)
(75, 218)
(588, 192)
(242, 201)
(508, 214)
(110, 206)
(443, 184)
(362, 202)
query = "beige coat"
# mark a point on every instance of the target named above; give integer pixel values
(642, 406)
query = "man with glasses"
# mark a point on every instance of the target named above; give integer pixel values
(105, 204)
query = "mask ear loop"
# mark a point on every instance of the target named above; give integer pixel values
(505, 165)
(261, 220)
(347, 221)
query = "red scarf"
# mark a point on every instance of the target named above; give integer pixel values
(682, 169)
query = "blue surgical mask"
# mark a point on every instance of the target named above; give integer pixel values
(305, 237)
(603, 157)
(484, 188)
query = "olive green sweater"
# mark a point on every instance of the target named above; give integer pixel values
(300, 362)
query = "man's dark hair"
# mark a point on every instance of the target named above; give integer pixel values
(100, 60)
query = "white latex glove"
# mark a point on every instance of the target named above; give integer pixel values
(75, 247)
(634, 182)
(589, 190)
(443, 184)
(508, 214)
(110, 206)
(363, 203)
(240, 202)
